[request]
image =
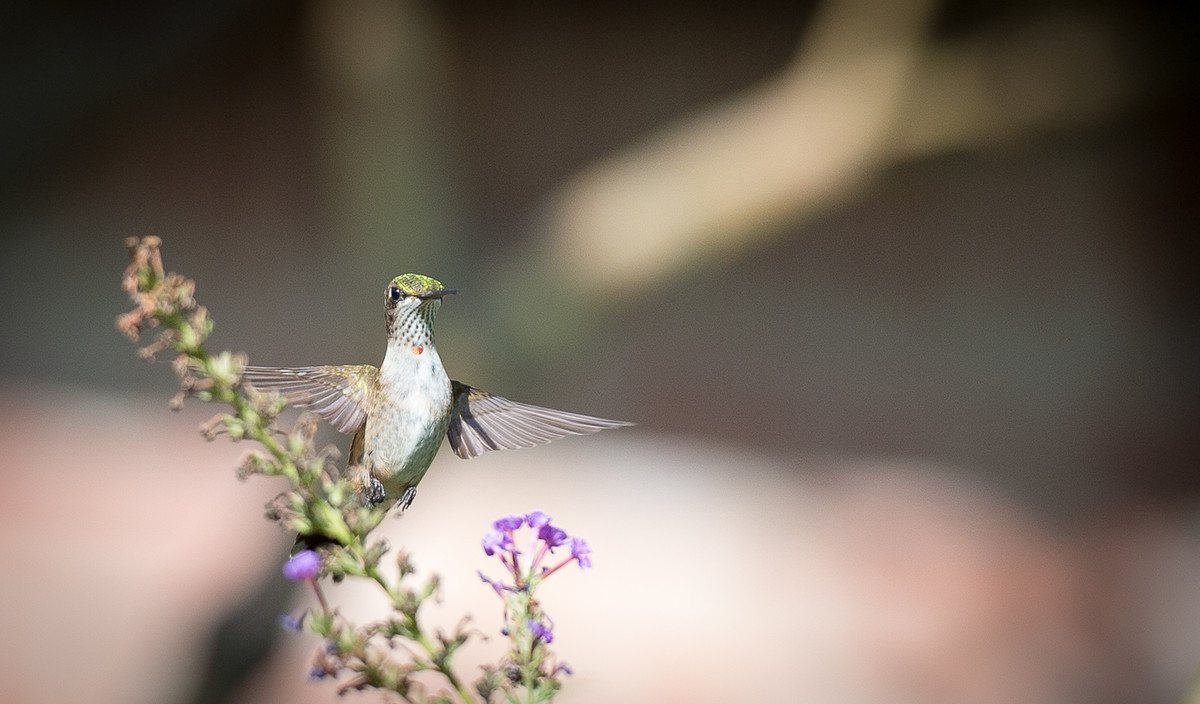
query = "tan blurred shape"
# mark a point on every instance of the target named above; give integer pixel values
(867, 89)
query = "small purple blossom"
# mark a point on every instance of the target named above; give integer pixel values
(289, 623)
(508, 523)
(302, 566)
(496, 540)
(580, 551)
(500, 587)
(553, 536)
(564, 668)
(540, 630)
(537, 519)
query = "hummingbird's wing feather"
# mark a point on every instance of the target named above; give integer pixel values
(337, 394)
(480, 422)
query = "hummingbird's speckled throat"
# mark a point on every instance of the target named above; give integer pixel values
(400, 411)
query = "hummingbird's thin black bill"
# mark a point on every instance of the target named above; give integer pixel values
(436, 294)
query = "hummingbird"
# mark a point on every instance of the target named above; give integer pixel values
(399, 411)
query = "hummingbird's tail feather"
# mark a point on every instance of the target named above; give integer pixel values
(336, 393)
(481, 422)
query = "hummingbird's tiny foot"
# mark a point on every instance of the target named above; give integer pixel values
(409, 494)
(375, 493)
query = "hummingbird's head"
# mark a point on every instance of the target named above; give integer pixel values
(411, 301)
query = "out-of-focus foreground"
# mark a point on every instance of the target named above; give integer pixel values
(902, 296)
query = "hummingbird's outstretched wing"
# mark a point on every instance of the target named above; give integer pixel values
(480, 422)
(337, 394)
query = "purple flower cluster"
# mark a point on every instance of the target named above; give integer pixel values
(527, 567)
(545, 536)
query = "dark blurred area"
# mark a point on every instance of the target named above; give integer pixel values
(957, 234)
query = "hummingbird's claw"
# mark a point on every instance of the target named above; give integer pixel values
(409, 494)
(375, 492)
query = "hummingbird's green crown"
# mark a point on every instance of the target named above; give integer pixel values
(416, 284)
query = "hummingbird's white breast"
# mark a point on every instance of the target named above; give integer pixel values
(405, 430)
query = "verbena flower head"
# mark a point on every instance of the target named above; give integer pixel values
(302, 566)
(528, 569)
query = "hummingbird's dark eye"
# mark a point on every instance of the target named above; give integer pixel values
(395, 294)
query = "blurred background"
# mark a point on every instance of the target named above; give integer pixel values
(902, 296)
